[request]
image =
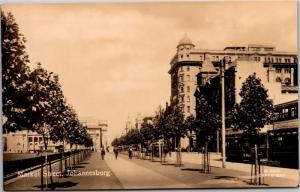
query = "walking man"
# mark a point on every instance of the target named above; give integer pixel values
(130, 153)
(102, 153)
(116, 152)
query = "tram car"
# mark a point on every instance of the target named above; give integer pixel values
(278, 143)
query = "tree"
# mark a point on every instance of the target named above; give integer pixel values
(175, 128)
(206, 124)
(15, 74)
(251, 114)
(255, 109)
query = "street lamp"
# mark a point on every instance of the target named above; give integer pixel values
(222, 69)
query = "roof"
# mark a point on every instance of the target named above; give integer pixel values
(208, 67)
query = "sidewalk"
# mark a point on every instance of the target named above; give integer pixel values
(93, 173)
(216, 161)
(137, 176)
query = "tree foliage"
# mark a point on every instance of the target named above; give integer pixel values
(207, 122)
(34, 100)
(15, 74)
(255, 109)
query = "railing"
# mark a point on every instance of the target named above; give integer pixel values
(11, 168)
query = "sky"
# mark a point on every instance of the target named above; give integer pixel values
(113, 58)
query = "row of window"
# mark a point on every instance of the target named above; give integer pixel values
(256, 58)
(188, 109)
(181, 78)
(36, 139)
(277, 60)
(286, 70)
(188, 89)
(286, 81)
(188, 99)
(181, 68)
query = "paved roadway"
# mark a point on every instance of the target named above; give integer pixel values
(125, 173)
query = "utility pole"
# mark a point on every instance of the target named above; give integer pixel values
(222, 71)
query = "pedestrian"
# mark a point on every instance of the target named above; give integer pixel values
(116, 152)
(102, 153)
(130, 153)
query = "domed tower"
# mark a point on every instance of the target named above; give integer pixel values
(184, 48)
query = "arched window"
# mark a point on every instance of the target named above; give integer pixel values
(188, 88)
(188, 99)
(287, 81)
(278, 79)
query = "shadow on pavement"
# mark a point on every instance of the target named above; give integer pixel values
(83, 163)
(78, 166)
(191, 169)
(54, 185)
(168, 164)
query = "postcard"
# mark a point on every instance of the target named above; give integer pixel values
(150, 95)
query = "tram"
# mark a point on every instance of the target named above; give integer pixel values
(278, 141)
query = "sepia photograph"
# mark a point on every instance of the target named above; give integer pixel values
(150, 95)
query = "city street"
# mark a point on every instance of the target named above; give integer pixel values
(125, 173)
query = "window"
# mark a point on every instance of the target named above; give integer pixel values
(181, 56)
(217, 58)
(188, 55)
(187, 68)
(229, 58)
(287, 70)
(182, 89)
(182, 99)
(287, 81)
(181, 78)
(30, 139)
(188, 99)
(188, 77)
(278, 70)
(35, 139)
(188, 109)
(278, 79)
(188, 88)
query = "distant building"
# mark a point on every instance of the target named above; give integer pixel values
(26, 141)
(98, 132)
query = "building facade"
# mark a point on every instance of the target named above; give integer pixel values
(188, 61)
(26, 141)
(98, 132)
(191, 67)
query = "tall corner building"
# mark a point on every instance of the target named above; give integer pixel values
(185, 65)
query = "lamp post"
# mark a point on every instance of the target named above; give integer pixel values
(222, 69)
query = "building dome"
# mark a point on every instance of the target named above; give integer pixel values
(185, 41)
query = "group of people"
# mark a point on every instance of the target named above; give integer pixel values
(116, 152)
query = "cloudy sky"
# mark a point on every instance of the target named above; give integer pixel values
(113, 58)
